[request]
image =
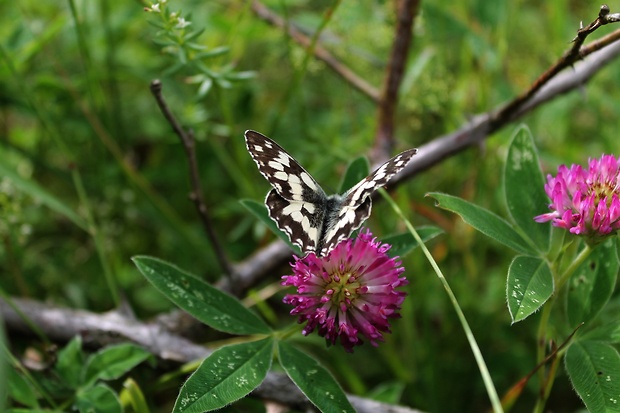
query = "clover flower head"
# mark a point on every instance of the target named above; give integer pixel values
(348, 294)
(586, 201)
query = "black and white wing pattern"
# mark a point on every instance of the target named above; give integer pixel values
(312, 220)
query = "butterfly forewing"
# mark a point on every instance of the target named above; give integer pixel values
(301, 221)
(381, 176)
(297, 202)
(283, 172)
(300, 208)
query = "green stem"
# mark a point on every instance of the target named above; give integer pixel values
(32, 325)
(552, 373)
(299, 75)
(546, 381)
(484, 371)
(286, 332)
(583, 254)
(27, 376)
(96, 234)
(546, 385)
(541, 340)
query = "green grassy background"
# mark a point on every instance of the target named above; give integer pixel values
(78, 120)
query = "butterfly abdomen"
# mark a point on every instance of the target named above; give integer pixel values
(340, 221)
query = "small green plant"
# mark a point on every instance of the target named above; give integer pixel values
(78, 381)
(347, 296)
(568, 277)
(178, 38)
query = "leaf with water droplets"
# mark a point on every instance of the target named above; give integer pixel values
(525, 188)
(315, 382)
(112, 362)
(485, 221)
(98, 398)
(529, 286)
(591, 285)
(213, 307)
(607, 333)
(594, 370)
(227, 375)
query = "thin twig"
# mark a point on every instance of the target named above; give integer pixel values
(384, 136)
(481, 126)
(97, 330)
(511, 395)
(320, 52)
(187, 138)
(604, 17)
(261, 264)
(599, 44)
(299, 74)
(568, 59)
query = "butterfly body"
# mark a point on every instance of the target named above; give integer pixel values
(313, 220)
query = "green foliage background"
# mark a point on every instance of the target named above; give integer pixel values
(76, 112)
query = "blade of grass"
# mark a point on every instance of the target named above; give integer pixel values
(484, 371)
(96, 234)
(169, 216)
(299, 75)
(17, 365)
(75, 174)
(32, 189)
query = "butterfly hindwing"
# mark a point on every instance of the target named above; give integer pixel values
(381, 176)
(299, 206)
(301, 221)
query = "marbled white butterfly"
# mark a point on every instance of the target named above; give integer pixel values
(312, 220)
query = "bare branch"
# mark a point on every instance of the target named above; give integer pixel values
(604, 17)
(599, 44)
(384, 136)
(481, 126)
(263, 263)
(319, 51)
(568, 59)
(62, 324)
(475, 131)
(188, 141)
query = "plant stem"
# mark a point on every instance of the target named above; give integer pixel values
(31, 325)
(546, 381)
(35, 383)
(583, 254)
(484, 371)
(299, 75)
(541, 340)
(96, 234)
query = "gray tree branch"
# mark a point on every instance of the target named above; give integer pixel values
(480, 127)
(62, 324)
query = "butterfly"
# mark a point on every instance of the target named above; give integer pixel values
(314, 221)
